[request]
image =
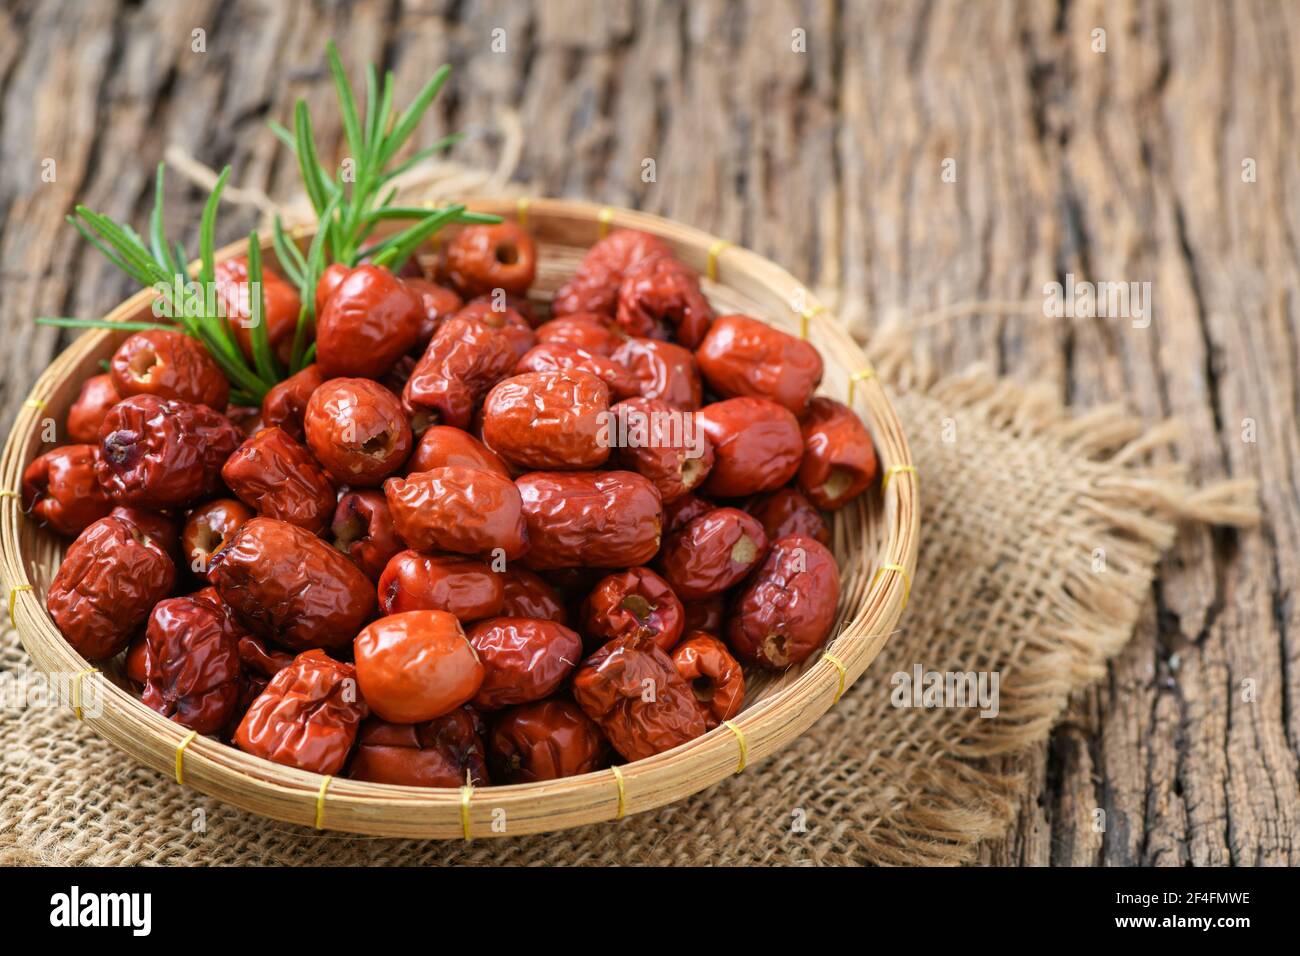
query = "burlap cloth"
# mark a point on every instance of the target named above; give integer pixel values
(1041, 531)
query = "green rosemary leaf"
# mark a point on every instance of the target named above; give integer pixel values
(372, 103)
(309, 356)
(283, 135)
(71, 323)
(207, 232)
(399, 248)
(382, 122)
(108, 253)
(288, 254)
(348, 104)
(263, 359)
(240, 397)
(157, 238)
(410, 118)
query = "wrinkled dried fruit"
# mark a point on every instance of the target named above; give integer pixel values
(370, 321)
(462, 586)
(499, 256)
(209, 528)
(170, 365)
(660, 298)
(285, 404)
(278, 478)
(447, 751)
(595, 283)
(96, 397)
(509, 318)
(663, 443)
(525, 594)
(458, 509)
(544, 740)
(60, 489)
(756, 446)
(463, 361)
(636, 603)
(109, 581)
(715, 678)
(356, 428)
(438, 303)
(442, 446)
(597, 334)
(549, 420)
(663, 371)
(191, 664)
(785, 512)
(156, 453)
(600, 519)
(839, 460)
(743, 356)
(713, 552)
(633, 692)
(551, 357)
(287, 585)
(786, 610)
(280, 306)
(524, 659)
(363, 530)
(307, 717)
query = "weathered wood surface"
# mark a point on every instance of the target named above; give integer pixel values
(1122, 165)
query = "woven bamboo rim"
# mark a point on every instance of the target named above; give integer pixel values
(874, 539)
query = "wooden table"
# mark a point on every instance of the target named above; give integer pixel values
(913, 157)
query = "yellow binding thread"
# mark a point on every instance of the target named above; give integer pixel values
(180, 756)
(9, 494)
(35, 403)
(740, 739)
(76, 689)
(606, 216)
(320, 801)
(715, 250)
(839, 666)
(806, 317)
(13, 596)
(893, 470)
(521, 211)
(465, 793)
(860, 376)
(907, 579)
(622, 794)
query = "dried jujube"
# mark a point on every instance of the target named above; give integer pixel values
(416, 666)
(787, 608)
(635, 603)
(356, 428)
(714, 676)
(465, 510)
(170, 365)
(713, 552)
(462, 586)
(523, 659)
(839, 460)
(447, 751)
(278, 477)
(544, 740)
(363, 530)
(191, 664)
(60, 489)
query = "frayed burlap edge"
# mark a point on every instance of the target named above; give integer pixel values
(969, 794)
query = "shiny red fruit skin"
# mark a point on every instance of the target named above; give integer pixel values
(285, 403)
(170, 365)
(60, 489)
(742, 356)
(595, 283)
(589, 331)
(96, 397)
(416, 666)
(208, 529)
(363, 530)
(670, 448)
(482, 258)
(757, 446)
(526, 594)
(714, 676)
(544, 740)
(524, 659)
(599, 519)
(660, 298)
(280, 306)
(839, 460)
(786, 610)
(549, 420)
(663, 370)
(278, 478)
(285, 584)
(442, 446)
(555, 356)
(191, 664)
(447, 751)
(463, 361)
(464, 510)
(370, 321)
(636, 603)
(713, 552)
(307, 717)
(785, 512)
(109, 581)
(356, 428)
(464, 587)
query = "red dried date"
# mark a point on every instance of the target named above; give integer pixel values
(713, 675)
(170, 365)
(162, 530)
(707, 615)
(600, 519)
(785, 512)
(664, 444)
(634, 693)
(742, 356)
(287, 585)
(286, 403)
(523, 659)
(507, 318)
(363, 530)
(442, 446)
(60, 489)
(370, 321)
(447, 751)
(839, 460)
(713, 552)
(329, 282)
(254, 655)
(191, 664)
(280, 306)
(155, 453)
(458, 509)
(209, 528)
(595, 284)
(553, 357)
(307, 716)
(277, 477)
(788, 607)
(97, 396)
(438, 303)
(467, 588)
(756, 446)
(660, 298)
(545, 740)
(597, 334)
(636, 603)
(463, 361)
(499, 256)
(680, 512)
(525, 594)
(416, 666)
(356, 428)
(663, 371)
(109, 581)
(554, 420)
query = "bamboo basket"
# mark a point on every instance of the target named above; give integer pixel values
(874, 541)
